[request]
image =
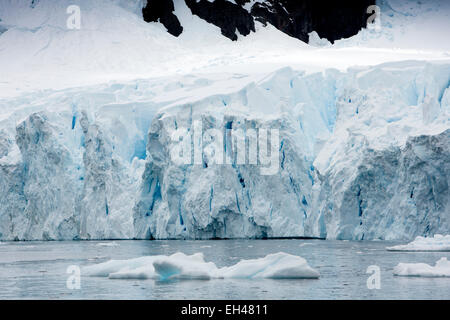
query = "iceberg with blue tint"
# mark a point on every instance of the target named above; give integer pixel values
(436, 243)
(439, 270)
(189, 267)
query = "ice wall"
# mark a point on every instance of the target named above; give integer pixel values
(362, 154)
(209, 200)
(384, 173)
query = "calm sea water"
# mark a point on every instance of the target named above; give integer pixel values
(37, 270)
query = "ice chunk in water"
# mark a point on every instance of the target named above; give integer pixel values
(180, 266)
(436, 243)
(441, 269)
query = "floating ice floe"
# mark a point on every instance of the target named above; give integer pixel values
(180, 266)
(437, 243)
(441, 269)
(107, 244)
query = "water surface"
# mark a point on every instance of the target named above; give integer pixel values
(37, 270)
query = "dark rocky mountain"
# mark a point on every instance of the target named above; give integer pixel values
(297, 18)
(228, 16)
(162, 11)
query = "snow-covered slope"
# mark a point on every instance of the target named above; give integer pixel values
(114, 43)
(407, 24)
(363, 152)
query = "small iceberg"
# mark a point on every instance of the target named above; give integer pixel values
(180, 266)
(441, 269)
(107, 244)
(437, 243)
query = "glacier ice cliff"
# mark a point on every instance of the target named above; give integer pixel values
(362, 154)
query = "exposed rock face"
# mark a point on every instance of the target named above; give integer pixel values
(228, 16)
(162, 11)
(331, 20)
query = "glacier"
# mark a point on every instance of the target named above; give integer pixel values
(88, 119)
(363, 154)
